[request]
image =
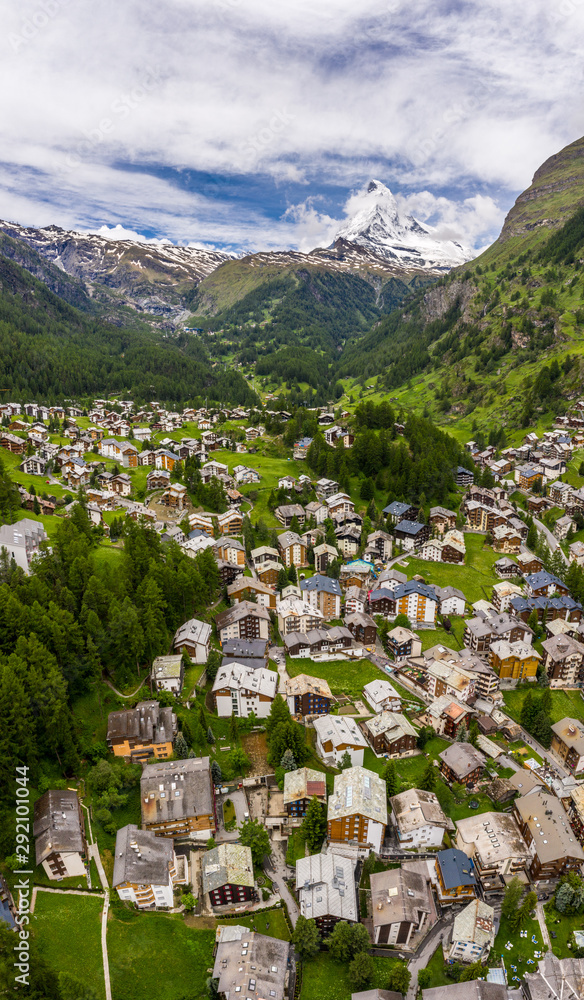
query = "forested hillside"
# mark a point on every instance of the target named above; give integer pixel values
(502, 339)
(50, 351)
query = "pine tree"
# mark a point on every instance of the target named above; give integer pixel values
(314, 824)
(428, 779)
(462, 734)
(210, 736)
(391, 779)
(563, 897)
(233, 729)
(216, 773)
(180, 746)
(513, 894)
(292, 574)
(288, 763)
(306, 938)
(346, 761)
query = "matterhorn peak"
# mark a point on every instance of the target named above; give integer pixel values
(375, 223)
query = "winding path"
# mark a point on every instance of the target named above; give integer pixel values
(119, 693)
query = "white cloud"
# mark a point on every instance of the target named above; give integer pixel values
(469, 97)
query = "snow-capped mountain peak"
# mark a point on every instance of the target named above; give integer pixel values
(378, 226)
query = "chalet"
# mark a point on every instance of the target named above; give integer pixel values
(441, 519)
(228, 876)
(527, 476)
(502, 595)
(357, 808)
(268, 572)
(34, 465)
(318, 511)
(262, 555)
(462, 764)
(243, 957)
(229, 549)
(340, 503)
(324, 555)
(326, 889)
(146, 869)
(178, 799)
(514, 660)
(545, 826)
(382, 696)
(307, 695)
(398, 511)
(213, 470)
(297, 615)
(250, 652)
(568, 743)
(158, 479)
(473, 933)
(412, 534)
(362, 627)
(402, 906)
(230, 522)
(454, 878)
(418, 819)
(167, 673)
(337, 734)
(287, 512)
(379, 544)
(549, 607)
(301, 448)
(317, 640)
(390, 734)
(355, 600)
(244, 586)
(403, 643)
(450, 601)
(324, 593)
(148, 730)
(238, 689)
(292, 549)
(243, 474)
(495, 844)
(545, 584)
(59, 833)
(243, 621)
(481, 631)
(22, 541)
(348, 538)
(464, 477)
(563, 660)
(300, 787)
(528, 563)
(121, 484)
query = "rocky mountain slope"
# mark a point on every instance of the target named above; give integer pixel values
(149, 277)
(499, 341)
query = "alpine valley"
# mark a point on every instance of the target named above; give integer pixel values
(388, 307)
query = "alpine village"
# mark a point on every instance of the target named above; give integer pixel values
(292, 631)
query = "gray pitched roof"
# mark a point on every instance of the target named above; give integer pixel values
(141, 857)
(227, 864)
(57, 826)
(326, 886)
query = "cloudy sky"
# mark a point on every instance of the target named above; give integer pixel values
(253, 123)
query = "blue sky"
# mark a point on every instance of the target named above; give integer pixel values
(251, 124)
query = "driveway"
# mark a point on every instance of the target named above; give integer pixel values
(278, 655)
(238, 797)
(278, 871)
(551, 540)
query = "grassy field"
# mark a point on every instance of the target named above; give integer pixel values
(475, 578)
(154, 954)
(68, 931)
(436, 968)
(410, 769)
(522, 950)
(343, 676)
(439, 636)
(562, 929)
(325, 979)
(272, 922)
(296, 846)
(564, 703)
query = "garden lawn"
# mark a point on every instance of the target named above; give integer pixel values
(436, 968)
(271, 922)
(325, 979)
(475, 578)
(68, 931)
(409, 769)
(296, 846)
(462, 810)
(344, 676)
(192, 675)
(563, 930)
(439, 636)
(523, 948)
(564, 703)
(157, 955)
